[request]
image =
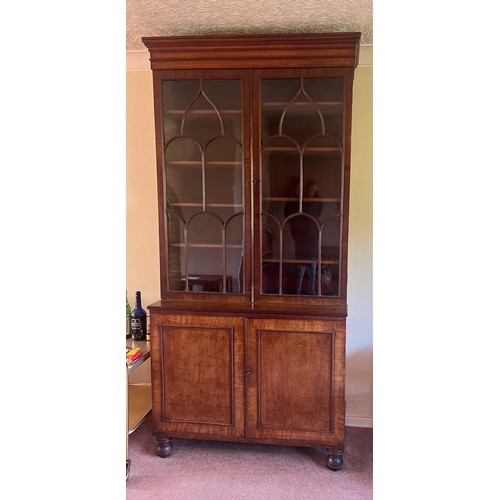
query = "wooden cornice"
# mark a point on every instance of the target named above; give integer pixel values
(254, 51)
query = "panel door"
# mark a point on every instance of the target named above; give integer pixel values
(295, 380)
(197, 381)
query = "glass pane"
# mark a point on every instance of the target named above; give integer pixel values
(234, 255)
(204, 253)
(301, 184)
(328, 95)
(202, 121)
(270, 251)
(322, 169)
(204, 184)
(176, 249)
(226, 96)
(300, 252)
(183, 174)
(330, 245)
(301, 119)
(177, 95)
(280, 164)
(276, 94)
(223, 177)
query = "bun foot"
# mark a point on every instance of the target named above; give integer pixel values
(334, 460)
(164, 446)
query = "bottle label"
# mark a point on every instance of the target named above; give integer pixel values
(136, 326)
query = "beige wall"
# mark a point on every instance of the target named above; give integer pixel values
(143, 269)
(143, 266)
(359, 363)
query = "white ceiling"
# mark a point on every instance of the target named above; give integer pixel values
(199, 17)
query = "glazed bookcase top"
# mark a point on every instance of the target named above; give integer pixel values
(253, 160)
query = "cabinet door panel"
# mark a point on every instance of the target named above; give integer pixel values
(198, 372)
(295, 385)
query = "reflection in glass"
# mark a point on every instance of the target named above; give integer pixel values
(302, 216)
(301, 185)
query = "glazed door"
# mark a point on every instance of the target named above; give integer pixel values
(203, 181)
(303, 121)
(197, 382)
(295, 374)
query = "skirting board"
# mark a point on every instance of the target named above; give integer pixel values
(355, 421)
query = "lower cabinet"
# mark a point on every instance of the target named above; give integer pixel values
(248, 379)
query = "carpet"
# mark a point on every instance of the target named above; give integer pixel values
(212, 470)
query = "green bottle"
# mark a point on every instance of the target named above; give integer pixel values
(129, 310)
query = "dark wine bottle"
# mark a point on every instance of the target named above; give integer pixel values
(128, 311)
(138, 320)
